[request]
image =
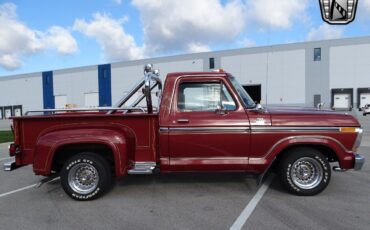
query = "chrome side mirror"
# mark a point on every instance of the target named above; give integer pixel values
(320, 105)
(259, 108)
(221, 111)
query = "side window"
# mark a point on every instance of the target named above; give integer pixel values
(197, 97)
(228, 102)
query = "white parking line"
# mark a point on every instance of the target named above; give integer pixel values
(6, 158)
(18, 190)
(25, 188)
(248, 210)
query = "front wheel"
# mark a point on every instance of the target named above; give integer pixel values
(305, 171)
(86, 176)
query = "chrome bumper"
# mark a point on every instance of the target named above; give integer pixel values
(10, 165)
(359, 161)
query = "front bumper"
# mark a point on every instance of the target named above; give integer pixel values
(359, 161)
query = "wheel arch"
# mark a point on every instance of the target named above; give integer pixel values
(55, 146)
(64, 152)
(329, 147)
(328, 152)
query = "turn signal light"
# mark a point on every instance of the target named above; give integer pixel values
(348, 130)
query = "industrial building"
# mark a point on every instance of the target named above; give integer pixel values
(334, 72)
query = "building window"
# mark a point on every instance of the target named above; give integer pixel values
(317, 54)
(212, 63)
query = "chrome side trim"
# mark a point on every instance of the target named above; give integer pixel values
(295, 129)
(163, 129)
(206, 129)
(253, 129)
(209, 158)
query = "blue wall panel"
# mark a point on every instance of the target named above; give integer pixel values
(48, 90)
(105, 87)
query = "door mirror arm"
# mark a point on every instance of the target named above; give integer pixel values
(259, 109)
(220, 111)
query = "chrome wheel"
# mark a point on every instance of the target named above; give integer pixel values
(83, 178)
(306, 173)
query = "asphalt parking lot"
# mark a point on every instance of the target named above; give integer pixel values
(185, 201)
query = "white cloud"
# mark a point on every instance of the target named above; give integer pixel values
(325, 31)
(367, 5)
(278, 14)
(197, 48)
(18, 41)
(110, 34)
(118, 2)
(247, 43)
(60, 39)
(189, 25)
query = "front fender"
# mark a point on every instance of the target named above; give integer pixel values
(119, 140)
(345, 156)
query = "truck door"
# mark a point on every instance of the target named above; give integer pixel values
(208, 127)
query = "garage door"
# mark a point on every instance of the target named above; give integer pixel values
(364, 99)
(91, 100)
(60, 101)
(18, 112)
(8, 113)
(342, 101)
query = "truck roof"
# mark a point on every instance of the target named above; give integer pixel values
(203, 74)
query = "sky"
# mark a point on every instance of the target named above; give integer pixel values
(42, 35)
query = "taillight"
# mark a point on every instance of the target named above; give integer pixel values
(13, 149)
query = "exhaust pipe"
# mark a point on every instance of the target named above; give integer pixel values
(338, 169)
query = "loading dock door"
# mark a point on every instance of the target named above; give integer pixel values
(342, 101)
(60, 101)
(254, 91)
(91, 100)
(17, 110)
(316, 99)
(8, 112)
(1, 113)
(364, 99)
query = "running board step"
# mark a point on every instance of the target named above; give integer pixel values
(143, 168)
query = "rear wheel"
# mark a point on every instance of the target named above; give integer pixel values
(305, 171)
(86, 176)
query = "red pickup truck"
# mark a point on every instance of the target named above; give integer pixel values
(205, 121)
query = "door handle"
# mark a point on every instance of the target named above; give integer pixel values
(182, 121)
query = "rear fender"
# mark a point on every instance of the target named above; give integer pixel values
(120, 141)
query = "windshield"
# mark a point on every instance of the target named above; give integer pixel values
(248, 102)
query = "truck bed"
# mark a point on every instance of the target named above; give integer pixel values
(29, 129)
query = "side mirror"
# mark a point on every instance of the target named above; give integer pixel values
(259, 108)
(220, 111)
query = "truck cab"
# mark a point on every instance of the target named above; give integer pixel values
(205, 121)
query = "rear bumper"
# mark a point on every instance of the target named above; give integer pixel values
(359, 162)
(10, 165)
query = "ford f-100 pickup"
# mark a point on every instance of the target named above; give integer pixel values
(202, 121)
